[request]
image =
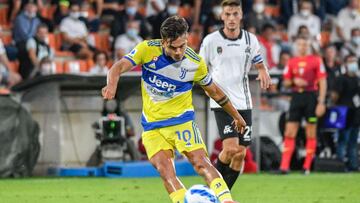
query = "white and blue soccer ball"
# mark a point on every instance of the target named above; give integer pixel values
(200, 194)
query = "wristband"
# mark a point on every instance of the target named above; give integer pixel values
(223, 101)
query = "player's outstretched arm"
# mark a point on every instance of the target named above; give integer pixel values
(219, 96)
(120, 67)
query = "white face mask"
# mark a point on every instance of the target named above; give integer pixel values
(259, 8)
(172, 10)
(74, 15)
(132, 33)
(356, 40)
(217, 11)
(131, 11)
(305, 12)
(352, 67)
(30, 14)
(46, 69)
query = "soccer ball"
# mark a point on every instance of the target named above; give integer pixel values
(200, 194)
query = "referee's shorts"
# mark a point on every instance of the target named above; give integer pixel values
(303, 105)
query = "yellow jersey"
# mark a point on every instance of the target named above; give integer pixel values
(166, 84)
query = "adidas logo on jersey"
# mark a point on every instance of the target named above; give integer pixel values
(152, 65)
(162, 84)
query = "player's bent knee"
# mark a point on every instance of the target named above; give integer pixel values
(240, 155)
(231, 151)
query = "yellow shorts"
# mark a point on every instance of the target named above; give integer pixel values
(184, 137)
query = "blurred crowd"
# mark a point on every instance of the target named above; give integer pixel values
(41, 37)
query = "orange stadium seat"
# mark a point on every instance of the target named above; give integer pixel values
(59, 67)
(185, 11)
(101, 41)
(273, 11)
(14, 66)
(3, 15)
(6, 38)
(324, 38)
(75, 66)
(48, 12)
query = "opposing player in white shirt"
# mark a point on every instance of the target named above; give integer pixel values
(229, 54)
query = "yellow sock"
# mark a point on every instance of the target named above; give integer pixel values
(178, 196)
(221, 190)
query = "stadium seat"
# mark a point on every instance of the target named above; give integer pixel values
(14, 66)
(76, 66)
(194, 40)
(324, 38)
(273, 11)
(48, 12)
(3, 15)
(6, 39)
(185, 11)
(59, 67)
(100, 41)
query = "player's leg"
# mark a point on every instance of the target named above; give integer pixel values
(310, 131)
(160, 152)
(189, 142)
(199, 159)
(230, 145)
(164, 164)
(237, 161)
(291, 128)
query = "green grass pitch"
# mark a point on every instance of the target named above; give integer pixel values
(260, 188)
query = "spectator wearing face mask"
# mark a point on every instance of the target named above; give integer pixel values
(124, 43)
(75, 33)
(257, 17)
(347, 19)
(304, 17)
(347, 87)
(37, 49)
(352, 46)
(130, 12)
(25, 24)
(101, 60)
(172, 8)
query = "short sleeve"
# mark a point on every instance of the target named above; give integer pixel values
(137, 54)
(202, 76)
(204, 51)
(256, 54)
(30, 44)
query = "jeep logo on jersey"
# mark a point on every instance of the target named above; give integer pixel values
(183, 73)
(219, 50)
(162, 84)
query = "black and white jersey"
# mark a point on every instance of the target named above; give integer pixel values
(229, 62)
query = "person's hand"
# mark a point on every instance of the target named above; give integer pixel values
(239, 124)
(108, 92)
(320, 109)
(264, 77)
(299, 82)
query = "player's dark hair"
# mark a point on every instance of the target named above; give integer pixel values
(173, 27)
(230, 3)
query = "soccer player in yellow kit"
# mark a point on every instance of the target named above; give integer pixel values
(169, 70)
